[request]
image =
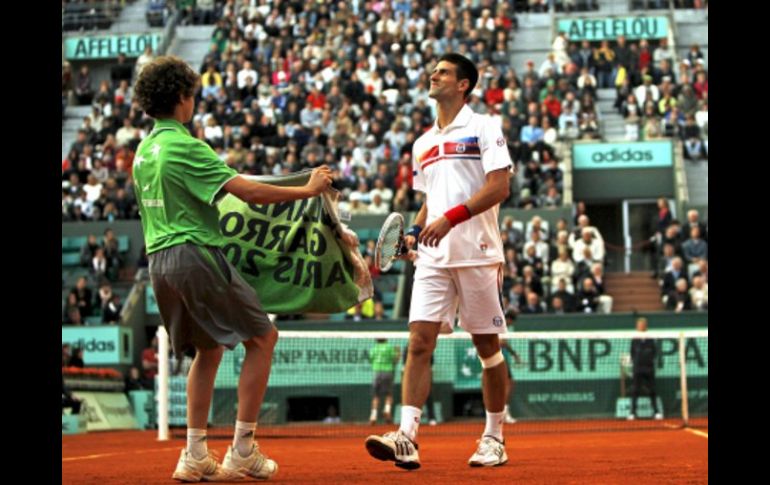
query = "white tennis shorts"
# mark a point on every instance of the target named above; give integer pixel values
(437, 293)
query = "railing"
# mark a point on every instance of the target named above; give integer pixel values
(169, 32)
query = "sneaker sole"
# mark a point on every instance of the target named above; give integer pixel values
(379, 450)
(186, 477)
(478, 464)
(383, 452)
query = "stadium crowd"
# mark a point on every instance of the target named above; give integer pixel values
(287, 86)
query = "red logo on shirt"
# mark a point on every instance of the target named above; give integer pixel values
(501, 141)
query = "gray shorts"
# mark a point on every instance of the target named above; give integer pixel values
(203, 300)
(383, 383)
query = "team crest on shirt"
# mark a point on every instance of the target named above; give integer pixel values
(501, 141)
(497, 322)
(460, 148)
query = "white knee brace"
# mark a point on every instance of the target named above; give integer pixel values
(492, 360)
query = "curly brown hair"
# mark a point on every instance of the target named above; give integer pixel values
(162, 83)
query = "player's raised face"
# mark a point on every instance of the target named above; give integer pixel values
(444, 83)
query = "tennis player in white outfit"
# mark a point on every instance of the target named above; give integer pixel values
(463, 166)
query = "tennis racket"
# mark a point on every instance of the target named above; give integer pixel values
(390, 244)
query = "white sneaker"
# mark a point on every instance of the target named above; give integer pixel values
(490, 452)
(394, 446)
(207, 469)
(658, 416)
(509, 419)
(631, 417)
(255, 465)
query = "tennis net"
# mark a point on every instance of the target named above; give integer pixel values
(321, 383)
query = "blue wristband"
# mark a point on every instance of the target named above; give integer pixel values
(414, 231)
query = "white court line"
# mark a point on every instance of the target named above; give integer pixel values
(696, 432)
(102, 455)
(672, 426)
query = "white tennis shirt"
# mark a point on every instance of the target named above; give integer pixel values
(450, 166)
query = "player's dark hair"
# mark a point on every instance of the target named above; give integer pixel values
(162, 83)
(465, 70)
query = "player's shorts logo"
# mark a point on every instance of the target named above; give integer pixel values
(497, 322)
(461, 148)
(483, 247)
(501, 141)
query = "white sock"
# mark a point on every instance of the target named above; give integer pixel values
(243, 437)
(507, 411)
(410, 421)
(196, 443)
(373, 415)
(494, 426)
(386, 409)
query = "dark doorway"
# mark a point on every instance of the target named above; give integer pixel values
(607, 217)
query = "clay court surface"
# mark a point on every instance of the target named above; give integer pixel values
(664, 454)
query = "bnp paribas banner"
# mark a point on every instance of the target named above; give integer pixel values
(622, 156)
(596, 29)
(590, 377)
(301, 362)
(297, 255)
(581, 359)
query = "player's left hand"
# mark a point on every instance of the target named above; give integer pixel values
(435, 232)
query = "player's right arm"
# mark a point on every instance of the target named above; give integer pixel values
(259, 193)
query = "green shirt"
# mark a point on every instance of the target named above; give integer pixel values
(176, 179)
(383, 357)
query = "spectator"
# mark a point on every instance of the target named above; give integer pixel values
(557, 306)
(678, 299)
(664, 215)
(588, 241)
(531, 259)
(693, 145)
(111, 311)
(517, 299)
(695, 249)
(144, 58)
(693, 220)
(604, 57)
(72, 315)
(647, 91)
(133, 381)
(88, 250)
(672, 277)
(377, 206)
(531, 280)
(699, 293)
(150, 360)
(566, 296)
(562, 268)
(662, 53)
(541, 247)
(587, 297)
(533, 305)
(66, 352)
(121, 71)
(83, 296)
(597, 276)
(515, 235)
(99, 265)
(84, 91)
